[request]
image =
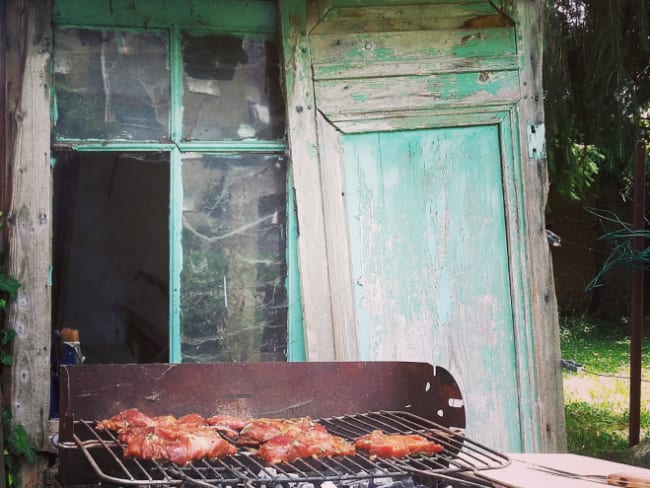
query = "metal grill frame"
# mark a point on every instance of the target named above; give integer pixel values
(320, 390)
(460, 457)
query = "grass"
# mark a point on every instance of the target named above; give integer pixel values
(597, 398)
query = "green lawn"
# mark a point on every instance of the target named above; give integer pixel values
(597, 399)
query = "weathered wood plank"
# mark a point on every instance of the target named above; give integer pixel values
(430, 66)
(391, 46)
(383, 94)
(544, 321)
(422, 119)
(416, 53)
(338, 244)
(387, 18)
(303, 144)
(29, 218)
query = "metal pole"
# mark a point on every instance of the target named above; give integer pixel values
(636, 312)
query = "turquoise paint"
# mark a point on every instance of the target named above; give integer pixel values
(497, 42)
(175, 255)
(426, 215)
(82, 146)
(295, 332)
(249, 16)
(531, 433)
(176, 196)
(234, 146)
(176, 84)
(462, 85)
(359, 97)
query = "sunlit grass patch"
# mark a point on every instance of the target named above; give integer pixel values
(597, 399)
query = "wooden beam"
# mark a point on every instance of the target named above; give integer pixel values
(305, 168)
(546, 371)
(27, 154)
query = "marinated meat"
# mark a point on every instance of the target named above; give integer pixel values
(180, 444)
(228, 424)
(297, 443)
(379, 444)
(180, 441)
(125, 419)
(193, 437)
(260, 431)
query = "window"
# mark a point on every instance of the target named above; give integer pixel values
(170, 184)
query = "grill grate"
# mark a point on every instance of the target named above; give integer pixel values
(461, 456)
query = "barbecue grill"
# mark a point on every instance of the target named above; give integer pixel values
(348, 398)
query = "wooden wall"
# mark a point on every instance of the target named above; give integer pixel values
(27, 206)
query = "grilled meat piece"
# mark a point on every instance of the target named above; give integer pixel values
(379, 444)
(128, 418)
(180, 444)
(166, 438)
(295, 443)
(259, 431)
(228, 424)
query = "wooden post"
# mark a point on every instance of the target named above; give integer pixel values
(3, 169)
(28, 200)
(636, 312)
(528, 15)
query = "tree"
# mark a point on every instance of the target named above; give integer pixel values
(597, 96)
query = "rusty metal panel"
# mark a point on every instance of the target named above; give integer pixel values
(324, 389)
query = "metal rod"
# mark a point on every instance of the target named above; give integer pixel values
(636, 312)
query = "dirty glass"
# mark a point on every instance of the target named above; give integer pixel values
(111, 254)
(231, 88)
(111, 84)
(233, 300)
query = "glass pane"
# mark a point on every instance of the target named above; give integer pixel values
(111, 84)
(231, 88)
(111, 254)
(233, 299)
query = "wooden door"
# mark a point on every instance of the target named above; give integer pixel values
(426, 217)
(403, 130)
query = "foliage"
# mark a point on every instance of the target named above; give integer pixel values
(597, 89)
(597, 398)
(584, 161)
(17, 445)
(8, 288)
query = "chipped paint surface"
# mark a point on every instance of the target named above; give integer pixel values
(428, 233)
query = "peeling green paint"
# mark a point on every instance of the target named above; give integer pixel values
(248, 16)
(359, 97)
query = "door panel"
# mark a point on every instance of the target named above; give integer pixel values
(427, 226)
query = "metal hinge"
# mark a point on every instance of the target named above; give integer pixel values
(536, 141)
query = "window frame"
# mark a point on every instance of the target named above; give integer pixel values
(258, 19)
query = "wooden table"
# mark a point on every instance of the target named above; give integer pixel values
(523, 473)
